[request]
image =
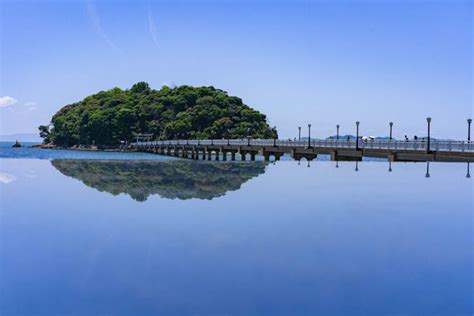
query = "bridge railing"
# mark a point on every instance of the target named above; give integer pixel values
(435, 145)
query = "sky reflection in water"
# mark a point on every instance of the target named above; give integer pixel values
(278, 239)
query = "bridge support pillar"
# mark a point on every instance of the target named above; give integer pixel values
(232, 156)
(209, 155)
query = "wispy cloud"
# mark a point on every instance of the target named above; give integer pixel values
(31, 105)
(95, 19)
(152, 28)
(7, 101)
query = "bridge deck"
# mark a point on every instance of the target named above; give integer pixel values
(338, 149)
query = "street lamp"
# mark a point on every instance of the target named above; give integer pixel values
(428, 120)
(391, 125)
(427, 175)
(299, 133)
(468, 175)
(469, 121)
(389, 166)
(337, 134)
(309, 135)
(357, 135)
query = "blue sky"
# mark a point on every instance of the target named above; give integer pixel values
(299, 62)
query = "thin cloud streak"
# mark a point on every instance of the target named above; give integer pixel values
(95, 18)
(152, 28)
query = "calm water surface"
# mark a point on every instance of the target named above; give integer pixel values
(174, 237)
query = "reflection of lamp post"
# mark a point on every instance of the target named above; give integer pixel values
(309, 135)
(337, 134)
(337, 164)
(389, 166)
(469, 121)
(357, 166)
(357, 135)
(468, 175)
(391, 125)
(299, 133)
(427, 175)
(428, 120)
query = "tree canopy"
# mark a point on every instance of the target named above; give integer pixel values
(184, 112)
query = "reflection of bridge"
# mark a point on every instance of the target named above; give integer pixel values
(393, 150)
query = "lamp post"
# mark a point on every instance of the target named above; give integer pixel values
(299, 133)
(389, 166)
(391, 125)
(309, 135)
(468, 175)
(337, 134)
(427, 175)
(469, 121)
(357, 135)
(357, 166)
(428, 120)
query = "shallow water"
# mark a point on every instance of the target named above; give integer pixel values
(178, 237)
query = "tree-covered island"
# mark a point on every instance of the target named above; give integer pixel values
(111, 117)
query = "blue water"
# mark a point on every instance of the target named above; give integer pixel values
(174, 237)
(6, 151)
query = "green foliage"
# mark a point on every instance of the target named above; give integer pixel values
(184, 112)
(44, 132)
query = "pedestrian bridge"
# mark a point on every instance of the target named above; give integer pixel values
(339, 150)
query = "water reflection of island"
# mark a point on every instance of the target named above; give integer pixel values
(179, 179)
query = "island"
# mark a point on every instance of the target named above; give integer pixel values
(114, 117)
(17, 144)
